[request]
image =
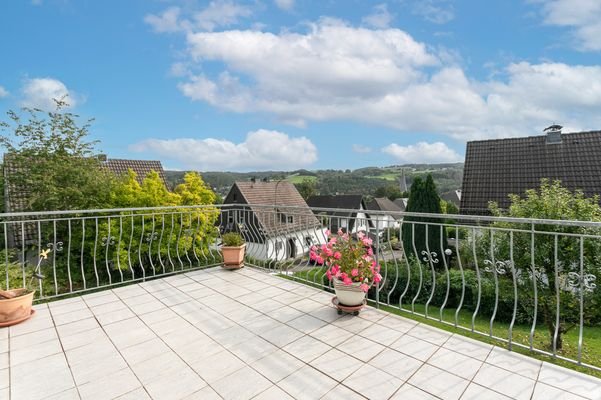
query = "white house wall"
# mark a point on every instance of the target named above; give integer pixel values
(267, 251)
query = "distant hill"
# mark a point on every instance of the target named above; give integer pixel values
(360, 181)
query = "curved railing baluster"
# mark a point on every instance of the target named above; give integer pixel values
(535, 289)
(460, 265)
(478, 278)
(443, 255)
(515, 290)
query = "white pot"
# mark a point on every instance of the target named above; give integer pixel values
(350, 295)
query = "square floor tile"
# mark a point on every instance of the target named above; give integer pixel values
(414, 347)
(568, 380)
(438, 382)
(336, 364)
(373, 383)
(455, 363)
(277, 365)
(397, 364)
(307, 348)
(307, 383)
(242, 384)
(503, 381)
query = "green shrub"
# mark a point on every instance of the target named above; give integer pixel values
(232, 239)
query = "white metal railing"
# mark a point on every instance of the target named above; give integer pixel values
(529, 283)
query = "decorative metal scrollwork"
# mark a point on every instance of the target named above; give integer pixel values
(576, 281)
(430, 257)
(107, 241)
(58, 246)
(152, 236)
(500, 267)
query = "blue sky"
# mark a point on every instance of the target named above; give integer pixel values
(286, 84)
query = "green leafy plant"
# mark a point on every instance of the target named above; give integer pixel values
(232, 239)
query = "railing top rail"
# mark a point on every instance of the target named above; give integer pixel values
(456, 217)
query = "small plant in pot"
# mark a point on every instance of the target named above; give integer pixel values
(232, 249)
(351, 266)
(15, 304)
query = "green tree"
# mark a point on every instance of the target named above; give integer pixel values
(423, 235)
(556, 258)
(307, 188)
(391, 191)
(52, 161)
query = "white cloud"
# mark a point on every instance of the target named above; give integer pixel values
(435, 11)
(335, 71)
(167, 21)
(361, 149)
(216, 14)
(380, 18)
(262, 149)
(285, 4)
(582, 16)
(423, 153)
(3, 92)
(221, 13)
(41, 92)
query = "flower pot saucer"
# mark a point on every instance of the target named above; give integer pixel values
(17, 321)
(232, 266)
(347, 309)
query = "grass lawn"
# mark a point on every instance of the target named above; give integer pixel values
(388, 177)
(300, 178)
(591, 347)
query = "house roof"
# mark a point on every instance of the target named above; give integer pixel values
(401, 203)
(140, 167)
(385, 204)
(344, 201)
(496, 168)
(278, 193)
(452, 196)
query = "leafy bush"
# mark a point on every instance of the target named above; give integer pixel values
(232, 239)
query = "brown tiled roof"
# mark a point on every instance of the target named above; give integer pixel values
(496, 168)
(264, 193)
(140, 167)
(385, 204)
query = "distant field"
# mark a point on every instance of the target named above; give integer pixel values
(300, 178)
(388, 177)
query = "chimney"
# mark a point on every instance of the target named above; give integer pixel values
(553, 134)
(102, 157)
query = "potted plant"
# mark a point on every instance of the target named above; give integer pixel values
(351, 266)
(15, 304)
(232, 249)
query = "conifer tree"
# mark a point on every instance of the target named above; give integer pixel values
(423, 199)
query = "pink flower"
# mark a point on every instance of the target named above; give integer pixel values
(327, 232)
(347, 281)
(343, 275)
(340, 232)
(364, 287)
(370, 251)
(367, 241)
(377, 278)
(355, 272)
(337, 255)
(313, 255)
(335, 269)
(329, 275)
(319, 260)
(360, 235)
(333, 241)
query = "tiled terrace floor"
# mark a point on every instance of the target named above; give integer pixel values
(245, 334)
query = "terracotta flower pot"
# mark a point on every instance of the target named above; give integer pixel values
(233, 257)
(350, 295)
(17, 309)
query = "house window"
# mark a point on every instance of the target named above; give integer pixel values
(235, 197)
(309, 241)
(289, 219)
(230, 218)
